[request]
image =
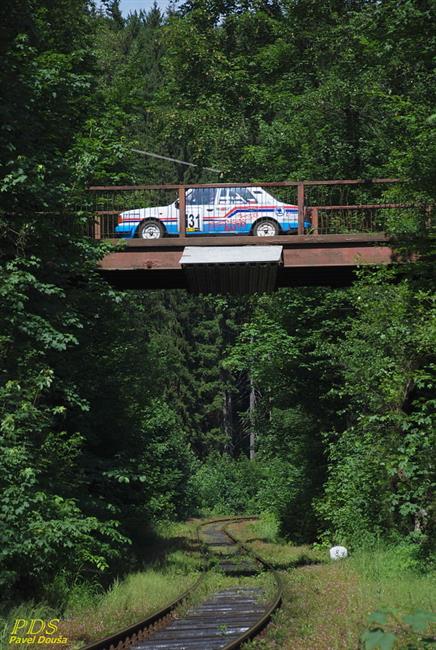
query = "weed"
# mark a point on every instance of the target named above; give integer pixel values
(326, 604)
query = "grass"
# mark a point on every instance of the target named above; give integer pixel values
(90, 613)
(217, 581)
(262, 538)
(22, 611)
(126, 602)
(326, 604)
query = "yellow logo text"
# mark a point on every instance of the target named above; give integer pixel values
(36, 631)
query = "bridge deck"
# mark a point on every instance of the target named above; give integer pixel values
(307, 259)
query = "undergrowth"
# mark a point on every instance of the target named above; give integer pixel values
(89, 612)
(379, 595)
(333, 605)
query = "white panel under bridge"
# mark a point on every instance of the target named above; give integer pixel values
(231, 269)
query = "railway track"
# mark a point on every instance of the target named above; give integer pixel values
(224, 620)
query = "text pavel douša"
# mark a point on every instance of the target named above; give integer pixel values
(35, 631)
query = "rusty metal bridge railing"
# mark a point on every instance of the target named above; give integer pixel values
(328, 207)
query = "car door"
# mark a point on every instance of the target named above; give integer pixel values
(200, 208)
(238, 207)
(219, 222)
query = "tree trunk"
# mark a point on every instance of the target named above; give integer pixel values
(228, 422)
(252, 422)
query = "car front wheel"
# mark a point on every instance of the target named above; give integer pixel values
(266, 228)
(150, 230)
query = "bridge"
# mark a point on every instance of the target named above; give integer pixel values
(247, 237)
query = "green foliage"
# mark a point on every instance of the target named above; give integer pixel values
(165, 463)
(386, 627)
(117, 411)
(226, 486)
(273, 486)
(380, 464)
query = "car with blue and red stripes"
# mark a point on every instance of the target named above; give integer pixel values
(214, 211)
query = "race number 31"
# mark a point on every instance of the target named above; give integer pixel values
(193, 221)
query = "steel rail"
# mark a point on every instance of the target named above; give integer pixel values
(125, 636)
(261, 623)
(132, 634)
(277, 601)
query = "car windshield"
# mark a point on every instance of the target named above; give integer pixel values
(201, 196)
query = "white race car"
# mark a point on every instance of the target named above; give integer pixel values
(214, 211)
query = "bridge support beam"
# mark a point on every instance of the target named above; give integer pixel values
(306, 260)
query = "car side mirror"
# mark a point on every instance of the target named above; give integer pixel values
(177, 204)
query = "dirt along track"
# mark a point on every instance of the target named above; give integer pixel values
(225, 619)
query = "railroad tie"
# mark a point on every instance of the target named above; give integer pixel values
(211, 625)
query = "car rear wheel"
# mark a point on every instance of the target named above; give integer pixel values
(266, 228)
(150, 230)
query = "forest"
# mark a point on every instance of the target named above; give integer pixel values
(122, 412)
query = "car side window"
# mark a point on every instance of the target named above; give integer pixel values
(246, 195)
(201, 196)
(240, 195)
(223, 195)
(233, 196)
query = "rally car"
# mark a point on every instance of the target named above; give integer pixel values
(210, 211)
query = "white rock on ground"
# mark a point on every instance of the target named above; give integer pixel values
(338, 552)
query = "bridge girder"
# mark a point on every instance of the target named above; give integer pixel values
(324, 260)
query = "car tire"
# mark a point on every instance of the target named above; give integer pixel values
(150, 229)
(266, 228)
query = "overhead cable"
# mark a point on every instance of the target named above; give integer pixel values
(181, 162)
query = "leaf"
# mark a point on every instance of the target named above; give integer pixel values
(388, 641)
(419, 620)
(378, 617)
(378, 640)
